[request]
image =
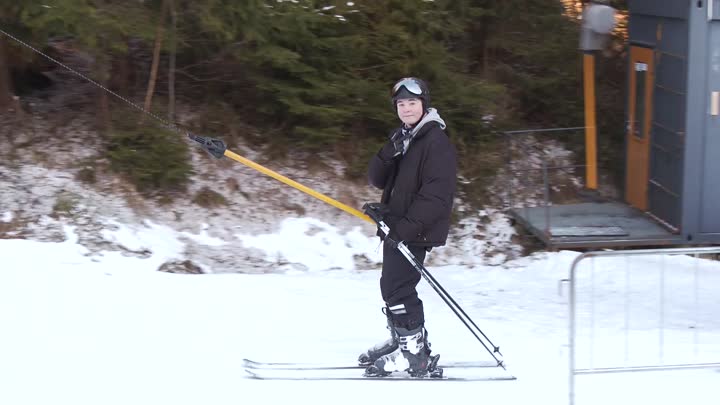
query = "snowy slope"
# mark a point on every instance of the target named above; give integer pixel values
(82, 327)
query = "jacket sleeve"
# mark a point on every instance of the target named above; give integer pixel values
(381, 166)
(437, 190)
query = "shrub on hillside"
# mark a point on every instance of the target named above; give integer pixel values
(152, 159)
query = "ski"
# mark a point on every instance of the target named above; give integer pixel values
(454, 371)
(300, 375)
(257, 365)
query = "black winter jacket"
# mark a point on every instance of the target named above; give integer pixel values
(418, 187)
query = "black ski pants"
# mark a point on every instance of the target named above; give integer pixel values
(398, 284)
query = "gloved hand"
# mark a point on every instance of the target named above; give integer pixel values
(376, 211)
(381, 212)
(398, 140)
(393, 240)
(394, 147)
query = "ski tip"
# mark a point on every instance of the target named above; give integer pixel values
(252, 376)
(250, 363)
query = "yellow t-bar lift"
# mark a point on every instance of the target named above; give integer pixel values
(217, 149)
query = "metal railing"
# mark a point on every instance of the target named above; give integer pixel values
(661, 314)
(519, 148)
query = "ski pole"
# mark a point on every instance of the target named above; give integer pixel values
(496, 349)
(377, 217)
(454, 306)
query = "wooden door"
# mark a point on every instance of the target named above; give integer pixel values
(639, 123)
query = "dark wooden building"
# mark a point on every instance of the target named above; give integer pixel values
(672, 166)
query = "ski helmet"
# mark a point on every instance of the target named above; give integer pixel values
(411, 87)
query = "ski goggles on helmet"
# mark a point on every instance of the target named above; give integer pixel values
(410, 84)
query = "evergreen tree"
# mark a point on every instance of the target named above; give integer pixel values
(317, 74)
(97, 28)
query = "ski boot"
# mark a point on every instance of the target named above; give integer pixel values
(411, 356)
(381, 349)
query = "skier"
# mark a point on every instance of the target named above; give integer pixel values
(416, 169)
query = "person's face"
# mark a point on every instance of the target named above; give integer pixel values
(410, 110)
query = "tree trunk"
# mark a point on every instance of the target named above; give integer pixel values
(6, 91)
(171, 67)
(155, 61)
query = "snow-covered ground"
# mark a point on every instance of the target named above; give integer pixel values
(37, 199)
(105, 327)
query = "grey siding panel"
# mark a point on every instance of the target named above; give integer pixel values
(642, 30)
(713, 55)
(668, 130)
(710, 191)
(666, 168)
(710, 212)
(716, 10)
(710, 186)
(674, 36)
(669, 109)
(671, 141)
(664, 205)
(670, 73)
(661, 8)
(695, 122)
